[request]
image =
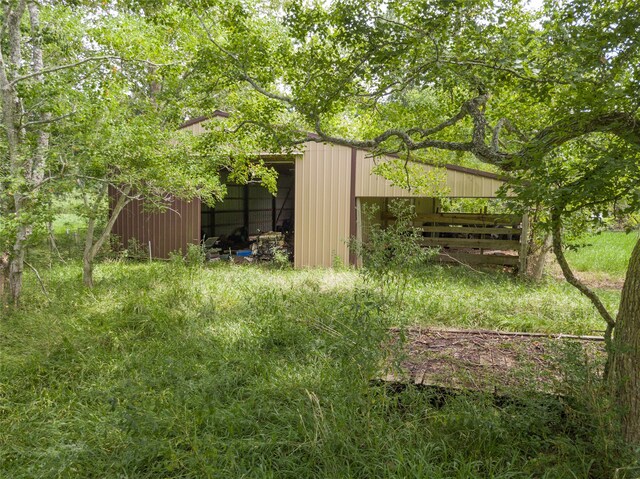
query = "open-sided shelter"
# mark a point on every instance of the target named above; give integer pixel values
(321, 191)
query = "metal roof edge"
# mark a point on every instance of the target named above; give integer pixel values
(461, 169)
(314, 137)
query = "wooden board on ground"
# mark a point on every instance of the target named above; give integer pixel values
(492, 361)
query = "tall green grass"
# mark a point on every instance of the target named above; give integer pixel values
(175, 372)
(605, 253)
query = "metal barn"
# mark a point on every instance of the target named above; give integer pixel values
(321, 191)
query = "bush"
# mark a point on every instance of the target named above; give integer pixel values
(391, 255)
(195, 256)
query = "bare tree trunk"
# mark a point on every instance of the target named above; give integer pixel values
(87, 256)
(625, 363)
(16, 266)
(539, 259)
(92, 248)
(10, 105)
(4, 270)
(25, 169)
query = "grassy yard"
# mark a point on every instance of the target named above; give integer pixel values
(604, 254)
(232, 371)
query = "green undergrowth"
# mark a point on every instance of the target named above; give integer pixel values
(168, 371)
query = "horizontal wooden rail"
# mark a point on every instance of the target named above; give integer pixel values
(471, 230)
(465, 218)
(476, 221)
(475, 259)
(506, 245)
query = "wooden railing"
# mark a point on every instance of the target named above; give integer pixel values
(476, 238)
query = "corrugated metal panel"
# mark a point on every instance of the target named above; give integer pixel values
(460, 184)
(196, 128)
(322, 198)
(171, 230)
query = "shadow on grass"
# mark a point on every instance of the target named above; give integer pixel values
(167, 371)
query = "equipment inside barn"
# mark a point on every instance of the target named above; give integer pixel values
(250, 222)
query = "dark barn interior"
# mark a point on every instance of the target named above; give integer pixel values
(250, 213)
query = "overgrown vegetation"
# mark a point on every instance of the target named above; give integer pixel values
(176, 370)
(172, 370)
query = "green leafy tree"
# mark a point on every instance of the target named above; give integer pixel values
(93, 94)
(49, 63)
(132, 156)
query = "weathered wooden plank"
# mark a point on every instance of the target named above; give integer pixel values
(471, 230)
(472, 217)
(426, 220)
(503, 245)
(472, 259)
(524, 240)
(493, 332)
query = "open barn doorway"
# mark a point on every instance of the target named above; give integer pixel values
(250, 223)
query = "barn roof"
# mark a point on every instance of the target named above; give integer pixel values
(448, 166)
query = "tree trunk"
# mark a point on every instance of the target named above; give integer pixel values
(15, 278)
(23, 167)
(4, 270)
(88, 255)
(10, 103)
(91, 249)
(87, 271)
(625, 361)
(539, 260)
(16, 265)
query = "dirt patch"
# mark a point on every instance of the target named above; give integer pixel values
(492, 361)
(592, 280)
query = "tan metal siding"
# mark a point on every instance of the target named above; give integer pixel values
(171, 230)
(196, 128)
(322, 198)
(460, 184)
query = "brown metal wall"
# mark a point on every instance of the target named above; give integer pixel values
(171, 230)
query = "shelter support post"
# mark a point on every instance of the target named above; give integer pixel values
(359, 228)
(524, 245)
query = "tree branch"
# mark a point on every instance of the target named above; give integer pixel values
(243, 74)
(48, 120)
(56, 68)
(35, 271)
(556, 223)
(624, 125)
